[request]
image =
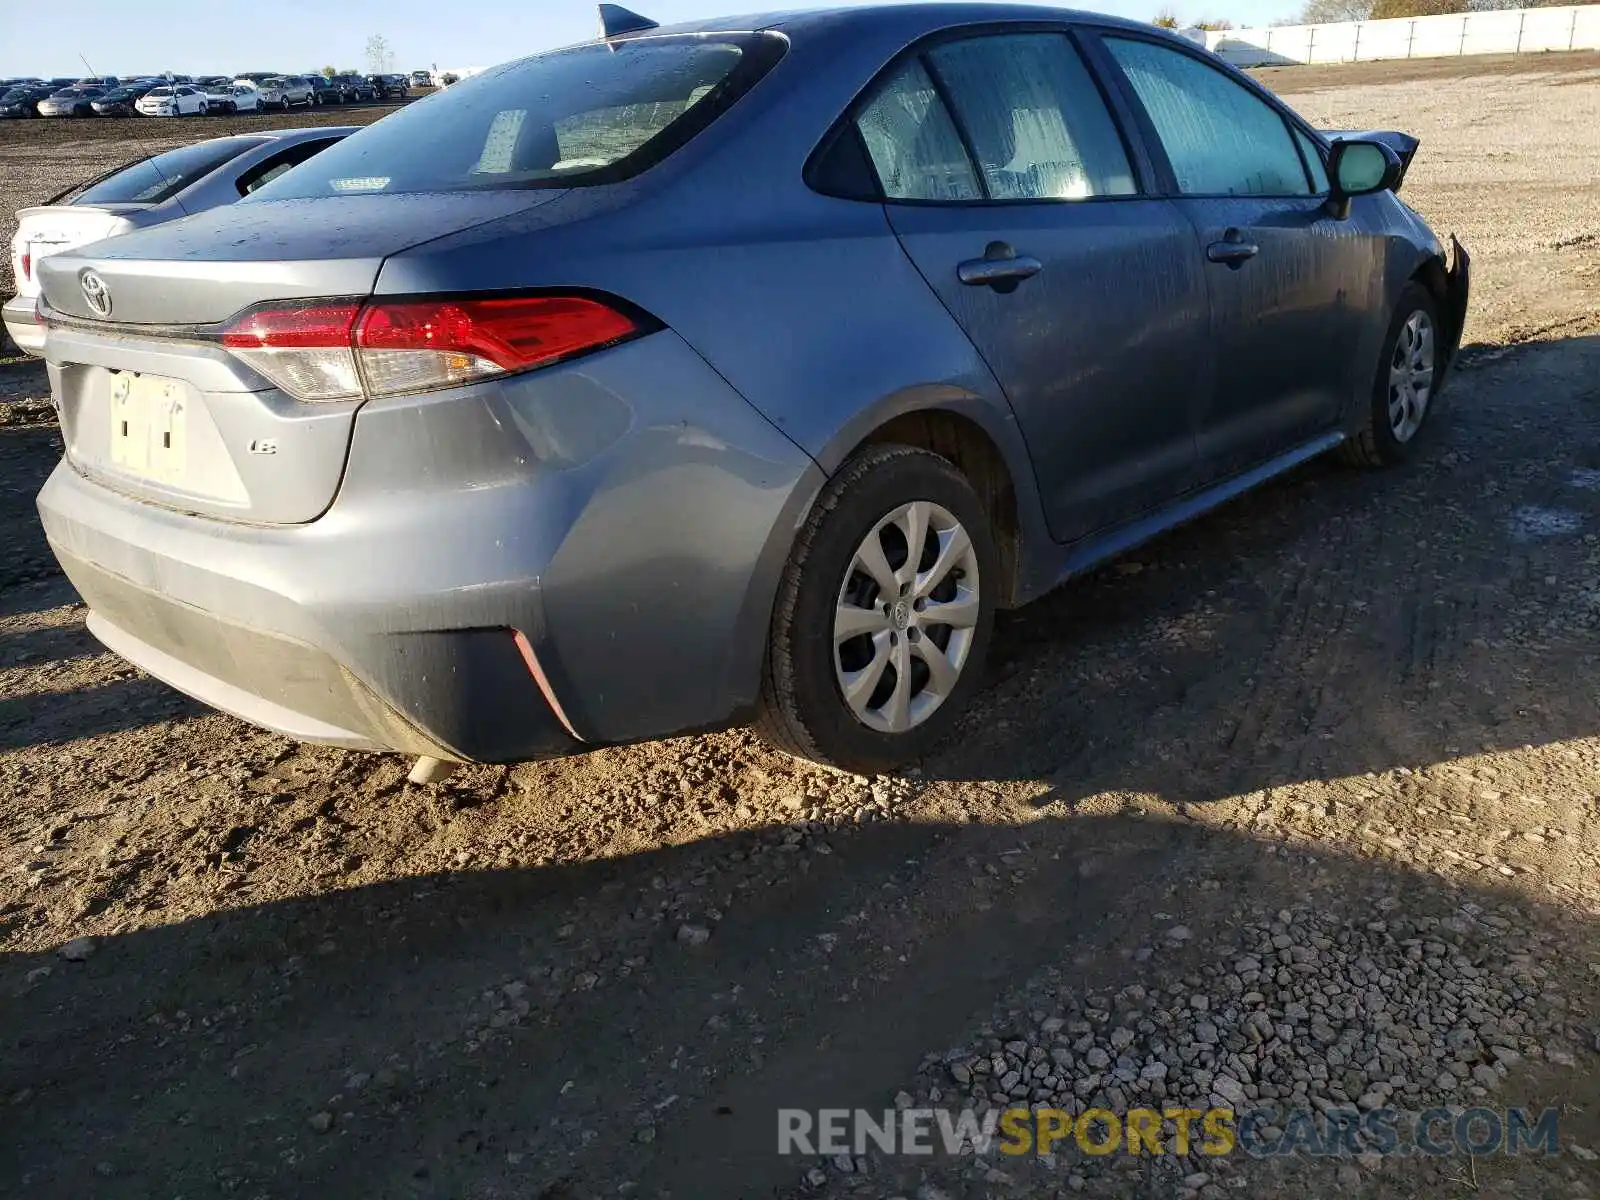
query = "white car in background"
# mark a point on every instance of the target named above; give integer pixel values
(148, 191)
(231, 98)
(268, 93)
(172, 100)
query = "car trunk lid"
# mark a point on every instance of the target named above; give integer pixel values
(54, 228)
(153, 407)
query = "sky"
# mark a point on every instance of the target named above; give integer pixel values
(121, 37)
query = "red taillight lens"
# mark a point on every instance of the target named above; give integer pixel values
(317, 326)
(336, 351)
(512, 334)
(303, 348)
(27, 264)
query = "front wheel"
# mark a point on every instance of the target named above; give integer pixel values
(882, 620)
(1405, 386)
(203, 109)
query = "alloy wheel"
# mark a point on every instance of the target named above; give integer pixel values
(1411, 376)
(906, 617)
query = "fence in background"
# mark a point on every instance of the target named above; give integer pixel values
(1514, 31)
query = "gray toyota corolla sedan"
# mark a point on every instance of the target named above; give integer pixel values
(737, 371)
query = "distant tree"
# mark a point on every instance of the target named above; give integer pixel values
(1165, 19)
(1216, 26)
(1317, 12)
(379, 59)
(329, 72)
(1416, 8)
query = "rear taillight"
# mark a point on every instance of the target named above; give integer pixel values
(305, 349)
(343, 350)
(27, 264)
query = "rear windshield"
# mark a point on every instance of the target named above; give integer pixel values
(591, 114)
(162, 176)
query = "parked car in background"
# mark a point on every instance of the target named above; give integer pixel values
(23, 101)
(71, 101)
(483, 436)
(233, 98)
(421, 79)
(355, 88)
(211, 81)
(172, 100)
(271, 96)
(323, 90)
(391, 87)
(120, 100)
(148, 191)
(291, 89)
(104, 82)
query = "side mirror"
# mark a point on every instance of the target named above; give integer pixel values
(1359, 169)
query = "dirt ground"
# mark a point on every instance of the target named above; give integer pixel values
(1348, 724)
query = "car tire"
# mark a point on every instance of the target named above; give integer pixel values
(806, 705)
(1397, 412)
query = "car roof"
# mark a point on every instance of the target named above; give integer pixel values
(909, 20)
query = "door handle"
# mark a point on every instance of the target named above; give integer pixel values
(1000, 268)
(1232, 250)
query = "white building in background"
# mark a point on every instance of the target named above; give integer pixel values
(1505, 31)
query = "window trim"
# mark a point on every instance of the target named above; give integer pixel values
(1319, 143)
(1158, 151)
(1142, 168)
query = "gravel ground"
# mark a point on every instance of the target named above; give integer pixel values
(1294, 808)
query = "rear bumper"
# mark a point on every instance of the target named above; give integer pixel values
(581, 556)
(20, 324)
(456, 693)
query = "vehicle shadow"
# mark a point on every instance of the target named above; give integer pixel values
(517, 1032)
(1333, 623)
(51, 718)
(28, 453)
(49, 644)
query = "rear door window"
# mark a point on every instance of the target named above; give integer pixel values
(1028, 123)
(591, 114)
(1034, 118)
(162, 176)
(264, 172)
(913, 142)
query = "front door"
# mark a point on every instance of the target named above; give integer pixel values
(1009, 186)
(1285, 279)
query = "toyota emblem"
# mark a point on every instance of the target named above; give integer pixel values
(96, 294)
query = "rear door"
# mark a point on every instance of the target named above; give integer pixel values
(1286, 280)
(1010, 186)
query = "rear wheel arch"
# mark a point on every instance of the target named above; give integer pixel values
(967, 445)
